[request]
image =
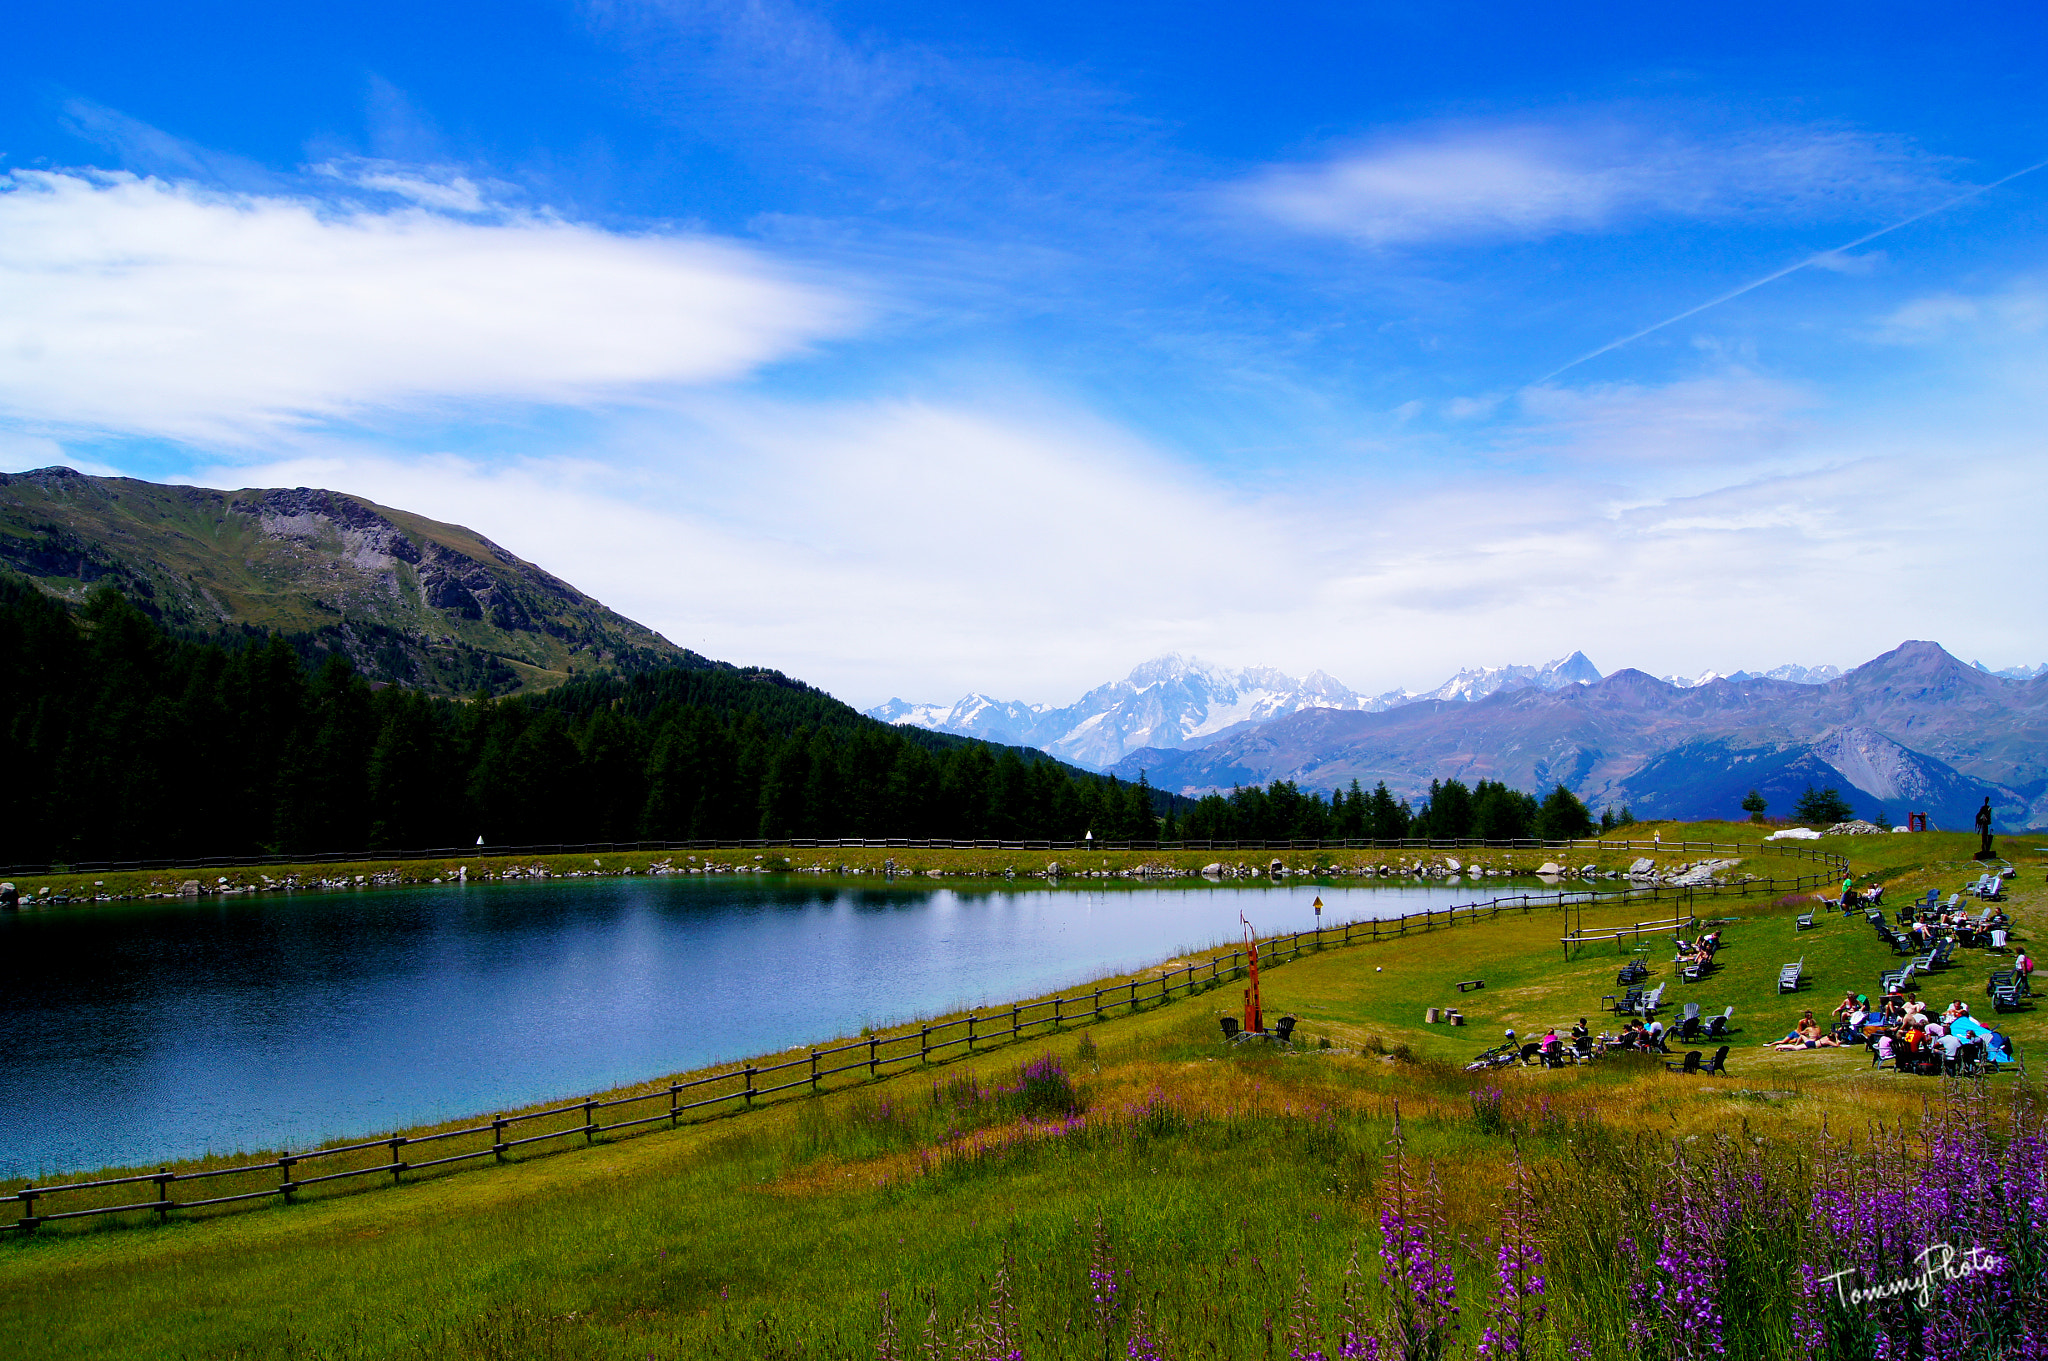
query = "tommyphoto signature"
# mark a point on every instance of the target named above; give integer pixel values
(1939, 1263)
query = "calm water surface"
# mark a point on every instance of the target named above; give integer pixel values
(132, 1034)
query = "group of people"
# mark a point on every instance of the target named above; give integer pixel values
(1967, 928)
(1699, 953)
(1901, 1030)
(1869, 897)
(1636, 1034)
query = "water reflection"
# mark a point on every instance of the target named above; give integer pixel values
(136, 1033)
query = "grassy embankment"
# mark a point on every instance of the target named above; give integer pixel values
(1218, 1176)
(104, 885)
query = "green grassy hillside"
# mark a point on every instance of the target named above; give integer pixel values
(406, 599)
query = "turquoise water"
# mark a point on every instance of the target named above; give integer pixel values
(132, 1034)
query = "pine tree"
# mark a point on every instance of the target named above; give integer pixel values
(1562, 817)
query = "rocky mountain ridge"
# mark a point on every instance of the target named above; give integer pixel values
(405, 598)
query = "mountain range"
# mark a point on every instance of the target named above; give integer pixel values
(1174, 702)
(407, 599)
(1914, 730)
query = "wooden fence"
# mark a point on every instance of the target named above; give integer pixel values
(738, 1089)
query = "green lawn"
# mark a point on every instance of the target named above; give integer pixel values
(1220, 1178)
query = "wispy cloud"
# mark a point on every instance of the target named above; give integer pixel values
(1733, 417)
(2018, 310)
(444, 189)
(152, 307)
(1535, 180)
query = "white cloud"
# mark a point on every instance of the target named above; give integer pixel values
(925, 550)
(441, 188)
(2018, 310)
(1535, 180)
(1733, 417)
(139, 305)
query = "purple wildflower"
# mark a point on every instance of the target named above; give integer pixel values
(888, 1343)
(1519, 1296)
(1422, 1289)
(1302, 1330)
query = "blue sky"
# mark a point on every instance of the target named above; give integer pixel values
(921, 349)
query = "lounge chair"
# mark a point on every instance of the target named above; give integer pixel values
(1896, 980)
(1790, 976)
(1717, 1026)
(1805, 921)
(1625, 1005)
(1689, 1030)
(1582, 1048)
(1651, 999)
(1284, 1031)
(1229, 1026)
(1691, 1064)
(1719, 1065)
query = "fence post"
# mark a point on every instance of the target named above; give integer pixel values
(590, 1122)
(970, 1032)
(1055, 1013)
(1015, 1012)
(498, 1135)
(163, 1183)
(1134, 994)
(28, 1208)
(750, 1086)
(397, 1141)
(1098, 1004)
(285, 1182)
(924, 1044)
(874, 1043)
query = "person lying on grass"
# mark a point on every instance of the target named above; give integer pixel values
(1808, 1035)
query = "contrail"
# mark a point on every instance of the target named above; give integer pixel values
(1789, 269)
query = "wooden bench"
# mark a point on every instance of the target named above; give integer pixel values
(1469, 984)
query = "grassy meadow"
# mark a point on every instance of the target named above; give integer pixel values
(1135, 1187)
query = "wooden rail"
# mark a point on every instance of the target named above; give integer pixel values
(739, 1088)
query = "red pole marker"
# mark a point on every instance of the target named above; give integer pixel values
(1254, 1022)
